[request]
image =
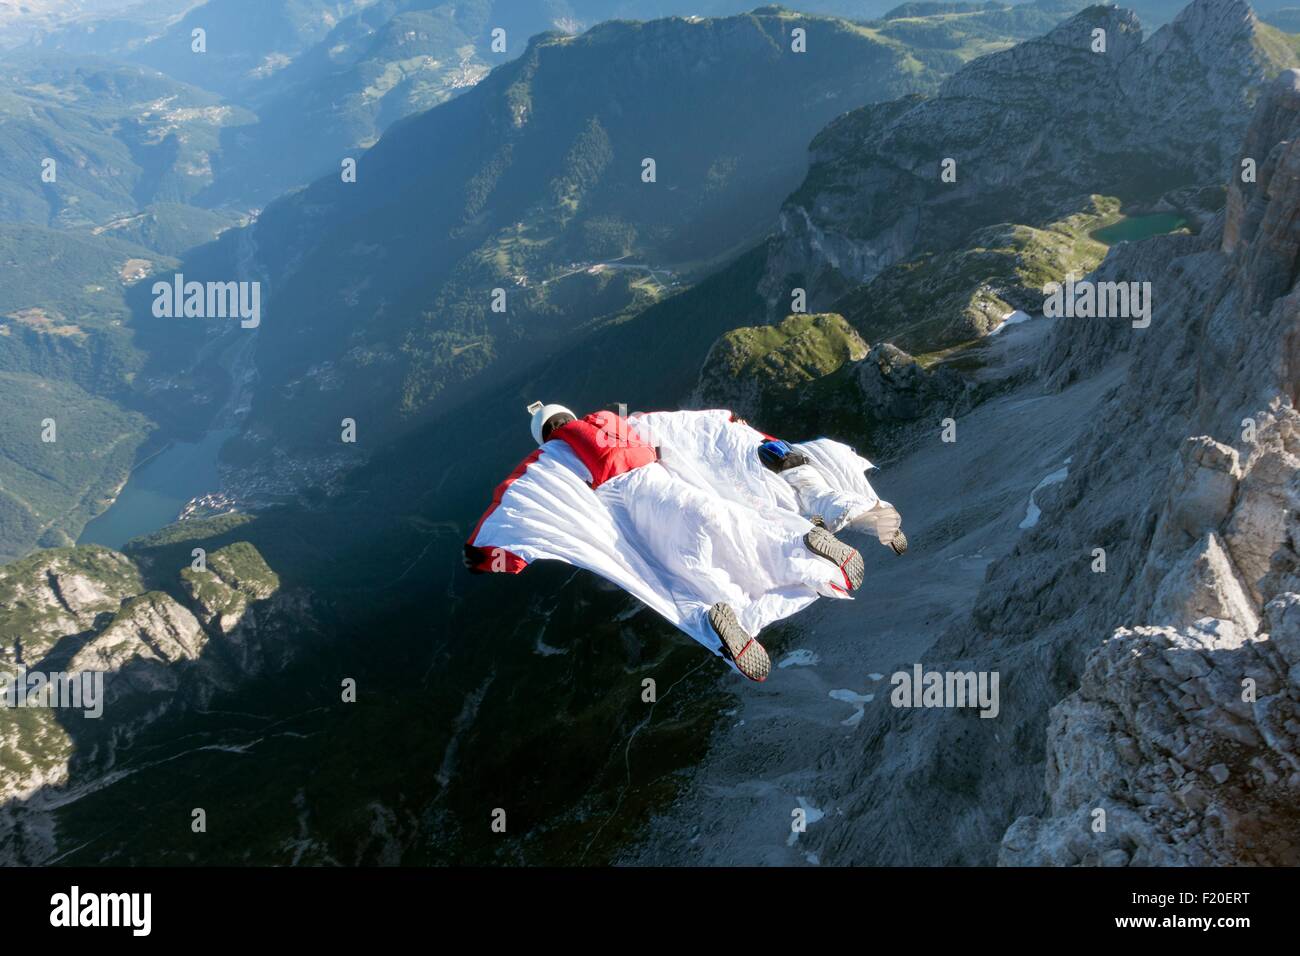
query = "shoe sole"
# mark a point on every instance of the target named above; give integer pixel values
(898, 543)
(825, 545)
(746, 653)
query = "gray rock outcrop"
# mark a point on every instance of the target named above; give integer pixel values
(88, 611)
(1183, 737)
(1161, 574)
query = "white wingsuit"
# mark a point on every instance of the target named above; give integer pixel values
(681, 513)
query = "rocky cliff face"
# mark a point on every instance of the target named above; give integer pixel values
(1185, 729)
(88, 610)
(1026, 127)
(1141, 616)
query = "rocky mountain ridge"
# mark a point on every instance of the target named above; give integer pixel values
(1137, 601)
(1026, 127)
(1186, 726)
(1187, 480)
(88, 610)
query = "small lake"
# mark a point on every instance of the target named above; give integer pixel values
(1133, 228)
(157, 490)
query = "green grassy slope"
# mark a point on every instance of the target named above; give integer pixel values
(48, 491)
(941, 299)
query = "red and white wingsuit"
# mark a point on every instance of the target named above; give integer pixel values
(677, 509)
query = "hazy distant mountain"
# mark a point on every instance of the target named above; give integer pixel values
(326, 78)
(387, 61)
(119, 137)
(1285, 18)
(244, 40)
(22, 21)
(532, 183)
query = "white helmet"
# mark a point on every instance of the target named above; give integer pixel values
(541, 413)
